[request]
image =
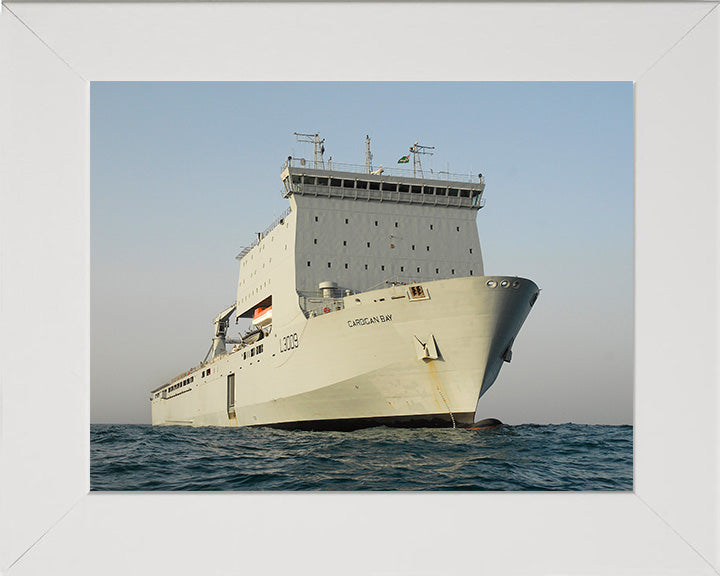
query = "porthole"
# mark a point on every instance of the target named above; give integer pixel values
(516, 284)
(491, 283)
(504, 283)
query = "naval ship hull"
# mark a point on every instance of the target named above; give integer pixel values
(387, 357)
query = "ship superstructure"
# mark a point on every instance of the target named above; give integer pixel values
(368, 304)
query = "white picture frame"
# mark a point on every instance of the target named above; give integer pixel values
(50, 523)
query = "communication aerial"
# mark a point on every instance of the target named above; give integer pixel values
(318, 144)
(417, 150)
(368, 156)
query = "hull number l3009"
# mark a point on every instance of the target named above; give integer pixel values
(289, 342)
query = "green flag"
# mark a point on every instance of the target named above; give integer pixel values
(404, 159)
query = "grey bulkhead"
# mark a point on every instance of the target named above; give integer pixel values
(359, 245)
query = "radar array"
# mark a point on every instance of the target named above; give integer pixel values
(319, 146)
(319, 149)
(417, 150)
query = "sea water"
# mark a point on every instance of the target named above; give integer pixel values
(525, 457)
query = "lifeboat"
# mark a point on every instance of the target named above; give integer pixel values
(262, 317)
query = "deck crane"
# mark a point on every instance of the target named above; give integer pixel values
(222, 321)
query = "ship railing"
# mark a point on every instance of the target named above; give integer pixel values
(425, 173)
(279, 220)
(178, 377)
(394, 281)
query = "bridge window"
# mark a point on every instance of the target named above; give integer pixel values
(389, 186)
(416, 189)
(465, 193)
(374, 185)
(453, 192)
(309, 180)
(322, 181)
(429, 190)
(335, 182)
(348, 183)
(403, 188)
(440, 191)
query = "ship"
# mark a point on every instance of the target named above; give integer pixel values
(367, 305)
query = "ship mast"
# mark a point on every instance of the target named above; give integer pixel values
(368, 155)
(417, 150)
(318, 144)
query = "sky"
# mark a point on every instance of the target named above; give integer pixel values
(184, 173)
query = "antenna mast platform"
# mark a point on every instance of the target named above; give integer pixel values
(318, 144)
(416, 150)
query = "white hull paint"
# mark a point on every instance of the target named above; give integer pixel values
(339, 352)
(361, 364)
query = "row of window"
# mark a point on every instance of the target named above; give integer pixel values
(253, 351)
(392, 246)
(384, 186)
(181, 383)
(382, 268)
(377, 223)
(175, 386)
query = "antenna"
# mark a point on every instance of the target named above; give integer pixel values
(368, 155)
(416, 150)
(319, 148)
